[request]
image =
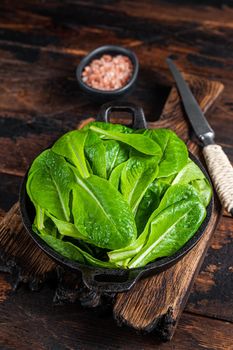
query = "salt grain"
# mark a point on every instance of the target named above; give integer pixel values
(108, 72)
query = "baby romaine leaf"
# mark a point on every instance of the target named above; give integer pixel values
(104, 156)
(66, 249)
(137, 174)
(48, 228)
(51, 184)
(71, 146)
(174, 194)
(67, 229)
(39, 218)
(192, 174)
(174, 151)
(101, 213)
(40, 212)
(141, 143)
(116, 153)
(91, 260)
(115, 176)
(95, 152)
(151, 201)
(122, 256)
(109, 126)
(170, 230)
(172, 197)
(73, 252)
(189, 173)
(204, 189)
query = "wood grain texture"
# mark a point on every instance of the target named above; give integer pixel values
(40, 46)
(212, 294)
(30, 321)
(19, 254)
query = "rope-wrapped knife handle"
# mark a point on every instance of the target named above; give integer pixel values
(221, 172)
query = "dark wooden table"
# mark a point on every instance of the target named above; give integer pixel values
(41, 42)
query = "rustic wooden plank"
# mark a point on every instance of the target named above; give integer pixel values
(5, 288)
(51, 53)
(9, 192)
(31, 321)
(210, 11)
(158, 24)
(212, 293)
(196, 29)
(89, 12)
(20, 256)
(79, 15)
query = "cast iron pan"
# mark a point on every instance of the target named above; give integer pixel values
(104, 279)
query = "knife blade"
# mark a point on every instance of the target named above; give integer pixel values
(218, 164)
(202, 129)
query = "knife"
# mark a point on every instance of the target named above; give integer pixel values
(218, 164)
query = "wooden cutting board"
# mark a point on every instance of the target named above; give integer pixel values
(154, 303)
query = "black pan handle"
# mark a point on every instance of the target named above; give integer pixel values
(112, 281)
(139, 121)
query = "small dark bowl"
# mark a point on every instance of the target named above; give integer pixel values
(103, 95)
